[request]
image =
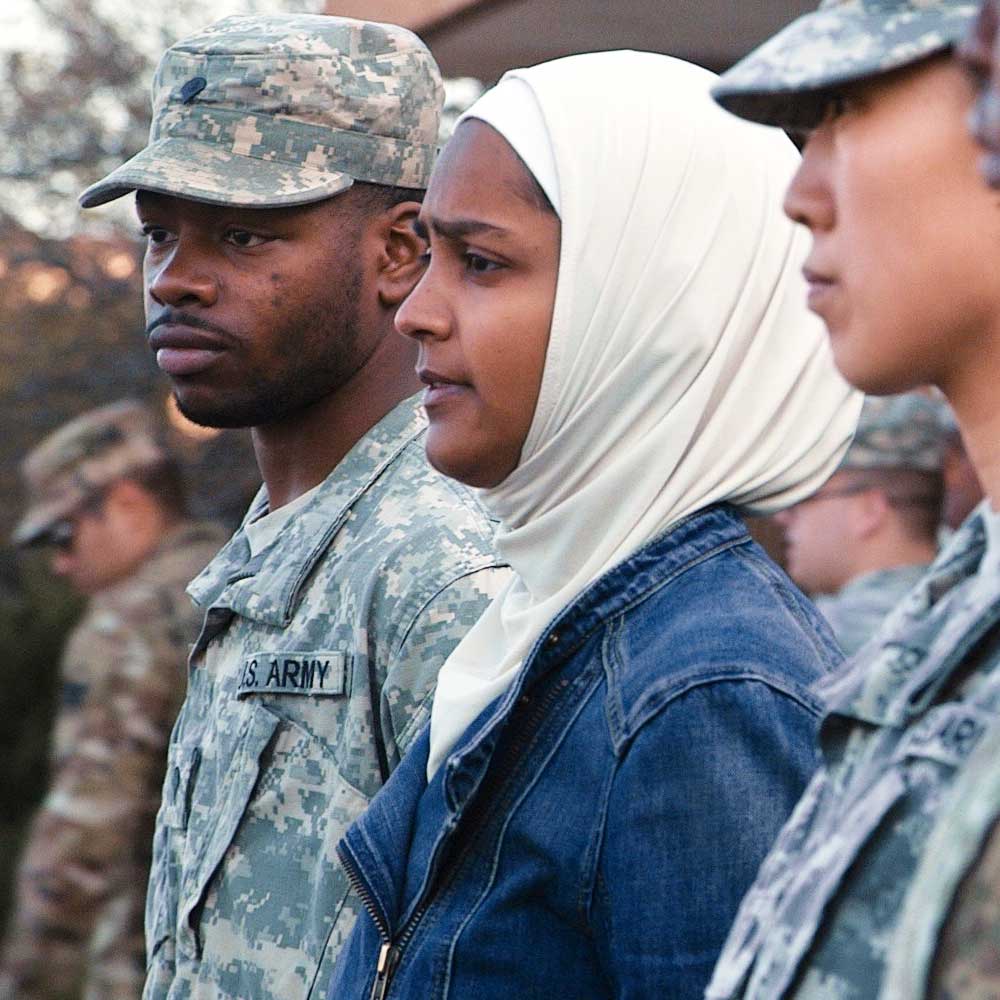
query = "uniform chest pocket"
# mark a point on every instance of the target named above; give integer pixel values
(265, 865)
(182, 771)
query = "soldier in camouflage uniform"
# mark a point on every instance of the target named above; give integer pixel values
(105, 494)
(903, 272)
(863, 541)
(287, 158)
(948, 942)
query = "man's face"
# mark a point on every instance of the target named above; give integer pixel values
(905, 235)
(978, 53)
(92, 550)
(255, 314)
(819, 537)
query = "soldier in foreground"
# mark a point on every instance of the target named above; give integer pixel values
(865, 538)
(105, 495)
(903, 272)
(287, 158)
(948, 943)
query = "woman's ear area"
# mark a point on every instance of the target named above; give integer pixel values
(401, 259)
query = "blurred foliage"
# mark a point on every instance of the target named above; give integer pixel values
(72, 338)
(74, 98)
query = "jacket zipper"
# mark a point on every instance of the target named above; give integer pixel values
(390, 954)
(388, 959)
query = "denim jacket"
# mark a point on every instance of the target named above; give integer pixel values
(594, 830)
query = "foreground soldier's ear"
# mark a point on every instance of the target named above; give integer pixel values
(400, 261)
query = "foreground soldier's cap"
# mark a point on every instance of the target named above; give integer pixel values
(286, 109)
(74, 463)
(899, 432)
(788, 79)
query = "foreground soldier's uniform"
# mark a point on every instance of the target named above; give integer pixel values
(907, 712)
(81, 891)
(948, 942)
(324, 632)
(314, 672)
(894, 432)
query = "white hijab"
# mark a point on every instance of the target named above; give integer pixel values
(682, 367)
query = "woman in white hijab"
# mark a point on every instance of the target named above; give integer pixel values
(612, 332)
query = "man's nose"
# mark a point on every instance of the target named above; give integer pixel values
(182, 276)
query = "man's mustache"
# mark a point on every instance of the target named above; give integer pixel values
(172, 318)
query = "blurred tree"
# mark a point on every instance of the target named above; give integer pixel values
(74, 97)
(71, 312)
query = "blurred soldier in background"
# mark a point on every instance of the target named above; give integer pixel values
(962, 489)
(866, 537)
(108, 499)
(948, 943)
(287, 159)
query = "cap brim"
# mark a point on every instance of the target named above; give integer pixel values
(199, 171)
(40, 519)
(786, 80)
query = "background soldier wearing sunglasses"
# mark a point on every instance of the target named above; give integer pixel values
(865, 539)
(107, 497)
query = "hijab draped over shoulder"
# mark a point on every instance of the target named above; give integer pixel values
(683, 368)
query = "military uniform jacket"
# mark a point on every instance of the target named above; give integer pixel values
(81, 887)
(904, 714)
(948, 941)
(314, 671)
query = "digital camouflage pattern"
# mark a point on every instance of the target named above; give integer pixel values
(81, 892)
(283, 109)
(314, 672)
(904, 715)
(75, 462)
(948, 943)
(787, 81)
(906, 431)
(857, 610)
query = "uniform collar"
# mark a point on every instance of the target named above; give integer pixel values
(266, 588)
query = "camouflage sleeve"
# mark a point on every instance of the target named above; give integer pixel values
(411, 675)
(968, 959)
(89, 842)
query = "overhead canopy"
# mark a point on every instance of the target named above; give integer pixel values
(482, 38)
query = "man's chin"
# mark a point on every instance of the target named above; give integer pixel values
(269, 406)
(210, 413)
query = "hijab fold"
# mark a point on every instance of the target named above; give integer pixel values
(683, 368)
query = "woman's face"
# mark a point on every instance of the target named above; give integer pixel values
(906, 237)
(482, 311)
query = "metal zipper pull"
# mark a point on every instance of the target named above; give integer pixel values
(388, 959)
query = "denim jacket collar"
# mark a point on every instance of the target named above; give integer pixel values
(389, 818)
(231, 579)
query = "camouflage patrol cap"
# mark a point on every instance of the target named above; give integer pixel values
(75, 462)
(788, 79)
(899, 432)
(286, 109)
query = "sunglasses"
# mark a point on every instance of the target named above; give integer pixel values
(62, 534)
(59, 536)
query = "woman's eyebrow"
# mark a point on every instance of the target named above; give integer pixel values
(456, 229)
